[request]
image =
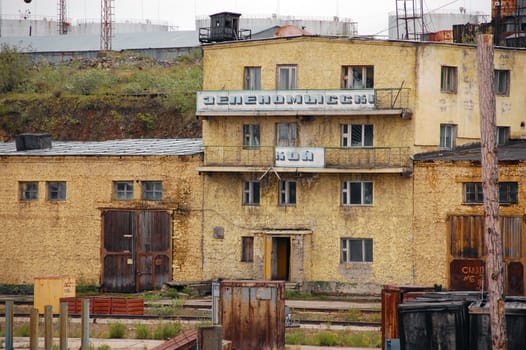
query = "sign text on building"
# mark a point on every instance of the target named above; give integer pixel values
(300, 157)
(285, 100)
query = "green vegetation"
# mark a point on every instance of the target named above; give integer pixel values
(167, 330)
(120, 95)
(333, 338)
(117, 330)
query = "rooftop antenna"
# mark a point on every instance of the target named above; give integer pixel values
(106, 24)
(409, 19)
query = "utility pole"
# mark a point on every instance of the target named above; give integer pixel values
(490, 176)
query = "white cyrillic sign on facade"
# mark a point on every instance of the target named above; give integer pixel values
(300, 157)
(285, 100)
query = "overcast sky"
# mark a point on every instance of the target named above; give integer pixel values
(371, 15)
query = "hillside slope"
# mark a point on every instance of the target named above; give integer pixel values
(116, 96)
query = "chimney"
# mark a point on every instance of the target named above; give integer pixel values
(25, 142)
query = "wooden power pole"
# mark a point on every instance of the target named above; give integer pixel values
(490, 176)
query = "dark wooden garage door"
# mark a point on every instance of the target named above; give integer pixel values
(135, 250)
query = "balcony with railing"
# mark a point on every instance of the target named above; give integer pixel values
(312, 159)
(389, 101)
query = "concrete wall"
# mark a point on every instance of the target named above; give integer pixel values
(50, 238)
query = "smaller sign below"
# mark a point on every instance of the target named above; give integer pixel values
(466, 274)
(300, 157)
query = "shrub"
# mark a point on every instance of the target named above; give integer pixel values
(13, 69)
(104, 347)
(142, 332)
(22, 331)
(167, 330)
(327, 339)
(117, 330)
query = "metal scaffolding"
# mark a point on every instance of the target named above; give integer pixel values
(409, 19)
(106, 24)
(62, 24)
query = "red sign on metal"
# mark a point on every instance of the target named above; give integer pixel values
(466, 274)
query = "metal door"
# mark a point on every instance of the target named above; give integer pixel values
(135, 250)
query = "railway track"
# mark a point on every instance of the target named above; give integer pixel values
(150, 318)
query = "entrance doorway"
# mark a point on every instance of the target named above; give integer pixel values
(136, 250)
(280, 258)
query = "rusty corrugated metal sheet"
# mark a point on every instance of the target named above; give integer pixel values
(252, 314)
(184, 341)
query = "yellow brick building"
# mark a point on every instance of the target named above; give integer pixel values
(308, 143)
(449, 217)
(123, 214)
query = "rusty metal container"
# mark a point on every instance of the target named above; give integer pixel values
(252, 314)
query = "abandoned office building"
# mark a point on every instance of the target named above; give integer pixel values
(308, 141)
(304, 173)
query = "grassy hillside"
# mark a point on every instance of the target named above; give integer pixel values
(118, 95)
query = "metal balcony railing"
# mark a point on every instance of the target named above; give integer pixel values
(334, 157)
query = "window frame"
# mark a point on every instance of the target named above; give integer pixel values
(449, 79)
(252, 78)
(251, 193)
(58, 194)
(448, 132)
(292, 134)
(503, 135)
(346, 193)
(475, 190)
(348, 80)
(152, 190)
(247, 249)
(292, 77)
(288, 193)
(511, 189)
(28, 191)
(501, 82)
(123, 194)
(346, 249)
(511, 193)
(251, 136)
(366, 133)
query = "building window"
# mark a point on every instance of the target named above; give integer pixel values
(251, 193)
(448, 135)
(287, 77)
(357, 77)
(287, 192)
(247, 249)
(357, 193)
(123, 190)
(508, 192)
(357, 135)
(56, 191)
(252, 78)
(502, 82)
(29, 191)
(286, 134)
(448, 81)
(251, 136)
(503, 135)
(356, 250)
(473, 193)
(152, 190)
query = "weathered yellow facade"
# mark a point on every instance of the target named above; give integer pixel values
(409, 111)
(438, 197)
(63, 238)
